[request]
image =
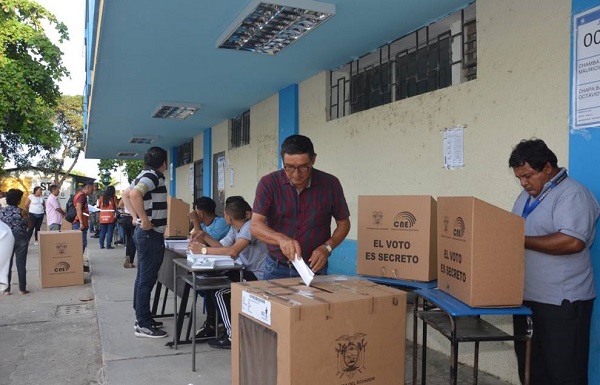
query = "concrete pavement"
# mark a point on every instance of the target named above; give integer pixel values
(84, 335)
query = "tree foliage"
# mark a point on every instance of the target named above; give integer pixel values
(132, 167)
(68, 123)
(30, 67)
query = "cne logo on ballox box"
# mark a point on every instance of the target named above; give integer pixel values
(404, 221)
(458, 229)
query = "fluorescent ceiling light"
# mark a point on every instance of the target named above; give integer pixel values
(125, 154)
(174, 110)
(143, 139)
(269, 27)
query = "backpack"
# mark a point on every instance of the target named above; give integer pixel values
(71, 212)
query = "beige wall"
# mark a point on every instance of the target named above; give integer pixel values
(522, 91)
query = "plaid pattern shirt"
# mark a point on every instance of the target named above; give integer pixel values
(304, 216)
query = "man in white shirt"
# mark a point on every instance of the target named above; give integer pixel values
(54, 213)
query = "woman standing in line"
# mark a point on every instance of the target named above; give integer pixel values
(108, 206)
(18, 221)
(34, 205)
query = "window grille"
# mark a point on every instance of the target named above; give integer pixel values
(184, 153)
(240, 130)
(436, 56)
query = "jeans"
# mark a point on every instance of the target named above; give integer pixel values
(150, 248)
(77, 226)
(20, 254)
(36, 221)
(54, 227)
(275, 269)
(106, 231)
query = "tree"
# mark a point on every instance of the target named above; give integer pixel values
(132, 167)
(30, 67)
(68, 123)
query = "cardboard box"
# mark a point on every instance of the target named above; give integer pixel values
(481, 252)
(338, 331)
(61, 258)
(178, 222)
(397, 237)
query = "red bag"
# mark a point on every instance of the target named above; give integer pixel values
(107, 213)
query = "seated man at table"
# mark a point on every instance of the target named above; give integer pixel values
(245, 250)
(205, 220)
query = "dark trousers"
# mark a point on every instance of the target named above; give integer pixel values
(151, 249)
(128, 229)
(210, 302)
(560, 344)
(36, 221)
(20, 254)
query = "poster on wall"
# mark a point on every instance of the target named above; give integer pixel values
(586, 70)
(454, 147)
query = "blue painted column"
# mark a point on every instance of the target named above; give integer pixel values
(207, 162)
(584, 165)
(288, 115)
(172, 172)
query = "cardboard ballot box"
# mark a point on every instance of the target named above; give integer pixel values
(61, 258)
(397, 237)
(178, 222)
(481, 252)
(338, 331)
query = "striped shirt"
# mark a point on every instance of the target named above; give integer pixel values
(151, 184)
(306, 216)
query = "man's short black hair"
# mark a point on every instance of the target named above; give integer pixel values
(296, 145)
(53, 188)
(155, 157)
(237, 207)
(13, 197)
(535, 152)
(205, 204)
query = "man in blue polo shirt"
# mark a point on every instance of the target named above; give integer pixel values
(560, 216)
(292, 212)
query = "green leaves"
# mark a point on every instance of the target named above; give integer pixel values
(30, 66)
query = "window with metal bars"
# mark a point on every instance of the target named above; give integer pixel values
(433, 57)
(240, 130)
(184, 153)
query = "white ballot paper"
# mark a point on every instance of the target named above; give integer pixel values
(93, 209)
(303, 269)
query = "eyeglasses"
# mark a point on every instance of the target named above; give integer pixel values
(301, 169)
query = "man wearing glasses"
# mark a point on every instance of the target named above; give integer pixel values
(292, 212)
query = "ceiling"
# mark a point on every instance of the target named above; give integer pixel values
(151, 52)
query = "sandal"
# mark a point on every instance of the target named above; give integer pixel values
(6, 292)
(24, 291)
(127, 264)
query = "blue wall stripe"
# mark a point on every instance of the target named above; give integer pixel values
(288, 115)
(173, 171)
(584, 161)
(343, 258)
(207, 163)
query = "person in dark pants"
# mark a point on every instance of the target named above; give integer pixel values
(560, 216)
(128, 229)
(18, 222)
(146, 200)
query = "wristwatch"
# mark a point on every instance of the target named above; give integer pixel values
(329, 248)
(204, 251)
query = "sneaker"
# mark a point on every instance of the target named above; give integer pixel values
(155, 324)
(149, 332)
(205, 332)
(223, 342)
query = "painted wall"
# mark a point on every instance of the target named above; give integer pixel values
(584, 160)
(182, 180)
(521, 91)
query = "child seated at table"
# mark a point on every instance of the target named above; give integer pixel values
(245, 250)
